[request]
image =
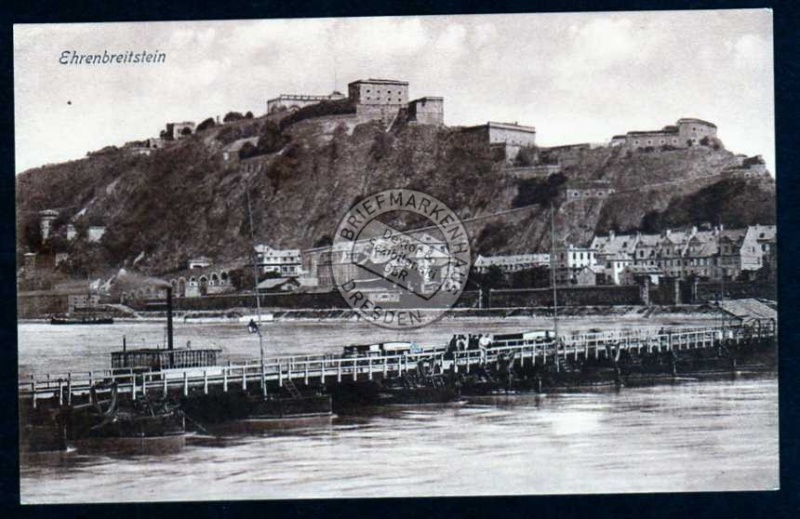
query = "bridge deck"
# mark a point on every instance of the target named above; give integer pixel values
(532, 350)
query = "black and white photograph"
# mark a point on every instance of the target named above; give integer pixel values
(397, 256)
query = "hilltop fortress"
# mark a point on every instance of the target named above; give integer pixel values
(687, 132)
(373, 99)
(387, 100)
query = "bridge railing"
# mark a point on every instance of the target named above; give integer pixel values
(323, 365)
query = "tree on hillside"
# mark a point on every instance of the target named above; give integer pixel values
(271, 139)
(31, 234)
(491, 238)
(537, 277)
(232, 117)
(247, 150)
(206, 125)
(323, 241)
(281, 169)
(536, 191)
(494, 277)
(732, 202)
(526, 156)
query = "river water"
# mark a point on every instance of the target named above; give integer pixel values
(711, 435)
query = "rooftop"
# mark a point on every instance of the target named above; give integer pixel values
(379, 81)
(693, 120)
(506, 126)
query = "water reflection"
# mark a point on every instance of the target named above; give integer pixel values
(697, 436)
(689, 436)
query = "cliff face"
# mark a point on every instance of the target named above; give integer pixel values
(186, 200)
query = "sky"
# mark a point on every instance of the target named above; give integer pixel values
(578, 77)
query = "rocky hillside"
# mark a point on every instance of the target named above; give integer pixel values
(187, 200)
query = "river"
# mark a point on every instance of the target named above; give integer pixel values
(712, 435)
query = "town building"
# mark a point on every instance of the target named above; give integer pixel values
(730, 258)
(672, 249)
(286, 262)
(701, 256)
(756, 246)
(590, 276)
(511, 263)
(199, 262)
(570, 260)
(294, 102)
(645, 249)
(196, 281)
(177, 131)
(614, 253)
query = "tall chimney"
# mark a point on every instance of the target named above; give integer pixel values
(169, 325)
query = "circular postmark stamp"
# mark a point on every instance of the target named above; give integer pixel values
(400, 258)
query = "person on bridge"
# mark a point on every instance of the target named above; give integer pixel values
(252, 327)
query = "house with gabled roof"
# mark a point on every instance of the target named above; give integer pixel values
(614, 253)
(671, 250)
(701, 258)
(644, 252)
(756, 245)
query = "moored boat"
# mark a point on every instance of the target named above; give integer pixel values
(81, 320)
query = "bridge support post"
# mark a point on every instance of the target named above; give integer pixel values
(339, 371)
(244, 378)
(225, 380)
(185, 384)
(69, 389)
(164, 378)
(205, 382)
(369, 367)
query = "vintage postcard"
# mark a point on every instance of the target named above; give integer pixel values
(396, 257)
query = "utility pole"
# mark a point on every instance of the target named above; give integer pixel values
(258, 300)
(553, 270)
(553, 277)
